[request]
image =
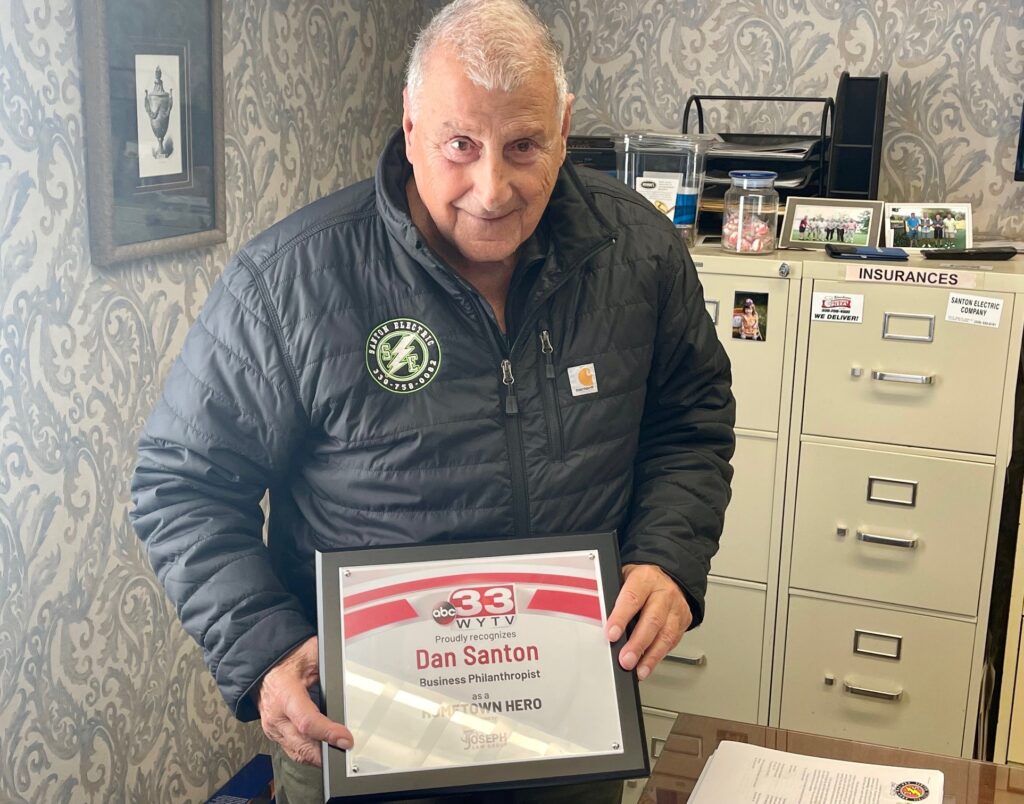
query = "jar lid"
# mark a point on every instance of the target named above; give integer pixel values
(753, 179)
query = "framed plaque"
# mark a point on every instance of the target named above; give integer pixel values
(469, 666)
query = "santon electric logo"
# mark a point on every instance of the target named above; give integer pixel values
(472, 607)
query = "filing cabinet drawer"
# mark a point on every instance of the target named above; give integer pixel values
(756, 365)
(899, 679)
(657, 725)
(923, 381)
(884, 525)
(743, 551)
(716, 669)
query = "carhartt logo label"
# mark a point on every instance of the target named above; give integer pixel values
(583, 380)
(402, 355)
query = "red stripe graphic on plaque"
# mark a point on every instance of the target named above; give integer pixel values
(358, 598)
(358, 622)
(566, 603)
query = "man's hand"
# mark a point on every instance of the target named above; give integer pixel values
(664, 617)
(289, 716)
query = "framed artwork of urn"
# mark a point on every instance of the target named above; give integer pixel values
(154, 122)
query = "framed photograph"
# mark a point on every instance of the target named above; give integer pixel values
(929, 225)
(813, 222)
(154, 121)
(457, 667)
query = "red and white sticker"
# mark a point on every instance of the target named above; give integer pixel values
(843, 308)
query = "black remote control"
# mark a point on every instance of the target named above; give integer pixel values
(980, 253)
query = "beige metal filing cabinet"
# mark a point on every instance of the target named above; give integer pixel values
(900, 438)
(723, 669)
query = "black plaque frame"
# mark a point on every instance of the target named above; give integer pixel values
(339, 786)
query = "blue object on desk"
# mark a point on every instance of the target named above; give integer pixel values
(253, 784)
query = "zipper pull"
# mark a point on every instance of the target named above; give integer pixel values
(511, 405)
(548, 350)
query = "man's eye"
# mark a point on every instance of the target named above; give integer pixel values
(523, 146)
(462, 146)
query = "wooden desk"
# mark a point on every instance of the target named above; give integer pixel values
(693, 739)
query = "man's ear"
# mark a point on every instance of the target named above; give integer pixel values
(406, 118)
(567, 116)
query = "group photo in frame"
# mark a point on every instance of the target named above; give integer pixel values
(814, 222)
(153, 108)
(914, 226)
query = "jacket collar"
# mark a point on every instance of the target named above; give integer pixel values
(572, 220)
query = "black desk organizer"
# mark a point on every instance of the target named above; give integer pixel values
(840, 160)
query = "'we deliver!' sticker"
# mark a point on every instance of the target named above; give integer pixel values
(845, 308)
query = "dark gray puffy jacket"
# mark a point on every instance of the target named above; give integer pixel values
(274, 389)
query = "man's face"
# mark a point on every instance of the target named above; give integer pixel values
(484, 162)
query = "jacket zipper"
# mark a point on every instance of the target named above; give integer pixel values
(513, 428)
(549, 392)
(514, 434)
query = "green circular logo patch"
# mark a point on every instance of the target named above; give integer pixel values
(402, 355)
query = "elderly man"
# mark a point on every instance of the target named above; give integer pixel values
(542, 363)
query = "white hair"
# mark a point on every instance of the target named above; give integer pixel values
(499, 43)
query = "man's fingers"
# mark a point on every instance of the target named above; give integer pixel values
(303, 751)
(664, 639)
(312, 725)
(653, 620)
(629, 601)
(664, 617)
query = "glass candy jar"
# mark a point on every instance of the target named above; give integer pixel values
(750, 215)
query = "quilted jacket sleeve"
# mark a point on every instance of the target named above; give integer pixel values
(682, 472)
(223, 432)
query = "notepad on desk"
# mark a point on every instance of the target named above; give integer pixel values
(740, 773)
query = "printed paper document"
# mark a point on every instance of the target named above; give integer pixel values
(748, 774)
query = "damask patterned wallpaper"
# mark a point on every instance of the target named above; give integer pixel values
(956, 79)
(102, 696)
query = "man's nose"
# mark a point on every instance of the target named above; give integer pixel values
(492, 183)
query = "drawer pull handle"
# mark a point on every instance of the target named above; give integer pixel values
(695, 661)
(891, 541)
(892, 376)
(867, 692)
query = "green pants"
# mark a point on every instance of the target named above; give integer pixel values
(302, 784)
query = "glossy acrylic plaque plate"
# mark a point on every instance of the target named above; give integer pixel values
(475, 665)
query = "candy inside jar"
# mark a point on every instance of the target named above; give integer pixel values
(749, 233)
(751, 212)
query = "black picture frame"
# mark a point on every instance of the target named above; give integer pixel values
(1018, 167)
(153, 187)
(339, 786)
